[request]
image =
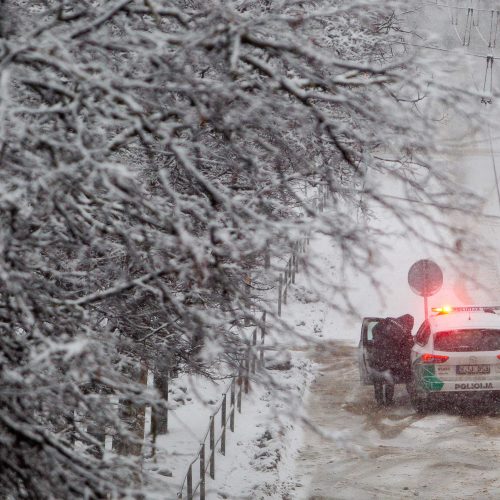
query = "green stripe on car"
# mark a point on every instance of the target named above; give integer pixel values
(425, 376)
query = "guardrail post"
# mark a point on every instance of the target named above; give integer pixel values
(280, 291)
(247, 282)
(285, 284)
(247, 370)
(202, 472)
(239, 392)
(212, 446)
(232, 405)
(254, 343)
(223, 425)
(262, 338)
(190, 483)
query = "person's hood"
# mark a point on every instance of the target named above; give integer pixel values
(407, 321)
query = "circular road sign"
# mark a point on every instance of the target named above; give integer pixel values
(425, 277)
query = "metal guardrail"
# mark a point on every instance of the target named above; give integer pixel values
(287, 277)
(227, 414)
(254, 358)
(234, 403)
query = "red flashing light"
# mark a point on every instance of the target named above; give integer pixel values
(442, 310)
(434, 358)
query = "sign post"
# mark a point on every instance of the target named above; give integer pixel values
(425, 279)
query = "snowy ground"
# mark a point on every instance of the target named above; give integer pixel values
(260, 455)
(265, 435)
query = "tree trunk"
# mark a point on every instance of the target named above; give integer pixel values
(159, 417)
(133, 415)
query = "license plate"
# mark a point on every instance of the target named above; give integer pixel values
(473, 369)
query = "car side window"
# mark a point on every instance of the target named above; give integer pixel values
(369, 330)
(423, 333)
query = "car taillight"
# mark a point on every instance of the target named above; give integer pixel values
(433, 358)
(498, 356)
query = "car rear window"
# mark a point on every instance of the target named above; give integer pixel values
(480, 339)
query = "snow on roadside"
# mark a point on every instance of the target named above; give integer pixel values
(260, 454)
(192, 399)
(260, 458)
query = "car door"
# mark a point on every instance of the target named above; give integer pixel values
(365, 348)
(421, 340)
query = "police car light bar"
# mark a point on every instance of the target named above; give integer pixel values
(449, 309)
(443, 309)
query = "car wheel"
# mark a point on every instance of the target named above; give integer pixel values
(420, 405)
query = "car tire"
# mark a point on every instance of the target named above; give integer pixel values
(420, 405)
(384, 393)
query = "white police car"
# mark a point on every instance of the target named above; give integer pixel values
(456, 352)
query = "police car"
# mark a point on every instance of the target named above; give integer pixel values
(456, 353)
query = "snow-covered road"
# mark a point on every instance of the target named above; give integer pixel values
(391, 452)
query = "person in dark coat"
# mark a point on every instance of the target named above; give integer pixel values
(392, 343)
(391, 363)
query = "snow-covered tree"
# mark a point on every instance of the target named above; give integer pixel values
(151, 154)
